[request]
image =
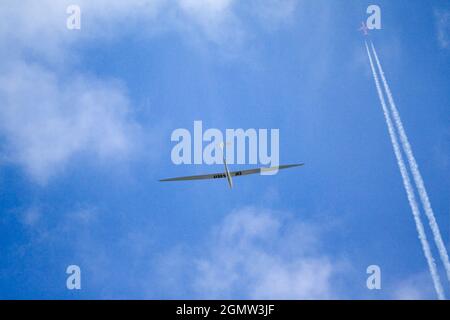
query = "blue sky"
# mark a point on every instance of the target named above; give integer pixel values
(85, 124)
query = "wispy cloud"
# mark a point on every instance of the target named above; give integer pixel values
(415, 287)
(41, 26)
(443, 27)
(47, 116)
(258, 254)
(47, 120)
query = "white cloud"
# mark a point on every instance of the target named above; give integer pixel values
(213, 20)
(46, 120)
(415, 287)
(40, 26)
(259, 254)
(227, 23)
(51, 113)
(443, 27)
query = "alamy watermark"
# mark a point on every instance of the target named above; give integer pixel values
(235, 146)
(374, 280)
(73, 21)
(73, 281)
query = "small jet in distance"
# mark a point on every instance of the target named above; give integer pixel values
(364, 29)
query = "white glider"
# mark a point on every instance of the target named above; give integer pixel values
(229, 175)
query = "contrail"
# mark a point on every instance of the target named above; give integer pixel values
(408, 187)
(415, 171)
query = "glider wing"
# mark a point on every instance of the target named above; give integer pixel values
(222, 175)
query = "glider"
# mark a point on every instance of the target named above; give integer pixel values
(229, 175)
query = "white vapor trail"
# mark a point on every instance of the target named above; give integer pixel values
(408, 187)
(415, 171)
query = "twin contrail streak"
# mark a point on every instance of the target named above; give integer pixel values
(408, 187)
(415, 171)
